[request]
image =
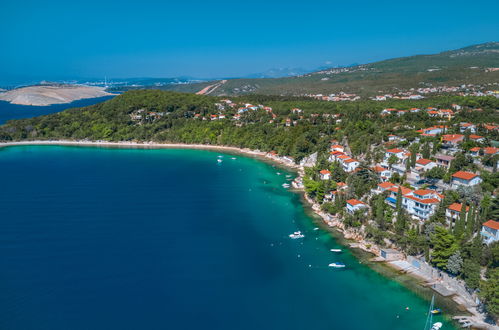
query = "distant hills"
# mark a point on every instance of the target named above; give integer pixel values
(469, 65)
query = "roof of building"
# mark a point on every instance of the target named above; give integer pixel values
(490, 150)
(452, 137)
(475, 137)
(424, 161)
(325, 172)
(395, 150)
(457, 207)
(492, 224)
(423, 192)
(355, 202)
(386, 185)
(475, 149)
(464, 175)
(444, 157)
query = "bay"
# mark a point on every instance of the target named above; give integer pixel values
(98, 238)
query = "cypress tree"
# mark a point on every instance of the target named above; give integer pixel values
(460, 223)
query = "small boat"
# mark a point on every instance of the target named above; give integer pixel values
(296, 235)
(278, 173)
(285, 185)
(316, 228)
(436, 311)
(436, 326)
(219, 160)
(337, 265)
(220, 156)
(233, 158)
(288, 176)
(335, 250)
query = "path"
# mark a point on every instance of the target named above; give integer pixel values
(209, 89)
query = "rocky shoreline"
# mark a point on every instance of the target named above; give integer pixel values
(358, 240)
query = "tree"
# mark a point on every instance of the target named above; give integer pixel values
(471, 273)
(426, 152)
(489, 291)
(461, 222)
(444, 246)
(455, 263)
(380, 212)
(392, 160)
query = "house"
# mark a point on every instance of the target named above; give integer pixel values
(337, 147)
(490, 231)
(452, 140)
(382, 172)
(399, 153)
(477, 138)
(354, 205)
(490, 151)
(444, 160)
(434, 130)
(475, 152)
(325, 175)
(350, 165)
(467, 179)
(333, 156)
(463, 127)
(423, 164)
(453, 212)
(421, 203)
(384, 186)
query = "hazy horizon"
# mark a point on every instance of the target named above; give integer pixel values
(153, 39)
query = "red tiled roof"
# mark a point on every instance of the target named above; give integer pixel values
(492, 224)
(351, 160)
(385, 185)
(475, 149)
(395, 150)
(452, 137)
(475, 137)
(424, 201)
(423, 161)
(423, 192)
(325, 172)
(490, 150)
(457, 207)
(464, 175)
(354, 202)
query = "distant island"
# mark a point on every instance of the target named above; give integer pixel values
(48, 94)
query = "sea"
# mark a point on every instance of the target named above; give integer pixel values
(103, 238)
(10, 111)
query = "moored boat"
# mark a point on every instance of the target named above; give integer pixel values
(335, 250)
(337, 265)
(296, 234)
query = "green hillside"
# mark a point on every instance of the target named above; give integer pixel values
(452, 68)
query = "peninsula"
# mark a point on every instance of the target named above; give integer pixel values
(48, 94)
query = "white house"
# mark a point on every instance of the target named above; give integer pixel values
(466, 179)
(421, 203)
(399, 153)
(355, 205)
(325, 175)
(424, 164)
(350, 165)
(490, 231)
(453, 212)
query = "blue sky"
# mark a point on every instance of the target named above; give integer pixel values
(72, 39)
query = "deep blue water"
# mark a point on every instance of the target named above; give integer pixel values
(10, 111)
(94, 238)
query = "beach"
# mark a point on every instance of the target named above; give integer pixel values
(354, 241)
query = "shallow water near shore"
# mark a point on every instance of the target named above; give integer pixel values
(101, 238)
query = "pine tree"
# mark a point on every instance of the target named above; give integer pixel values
(444, 245)
(460, 223)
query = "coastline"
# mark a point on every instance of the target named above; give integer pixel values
(363, 250)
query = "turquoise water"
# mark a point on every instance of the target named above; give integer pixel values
(95, 238)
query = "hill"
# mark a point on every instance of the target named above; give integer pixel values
(47, 94)
(469, 65)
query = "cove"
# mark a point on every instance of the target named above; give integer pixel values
(102, 238)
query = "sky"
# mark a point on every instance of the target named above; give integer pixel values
(119, 39)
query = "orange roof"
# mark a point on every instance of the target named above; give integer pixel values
(336, 146)
(340, 184)
(475, 137)
(325, 172)
(395, 150)
(378, 169)
(492, 224)
(475, 149)
(343, 157)
(386, 185)
(491, 150)
(433, 112)
(452, 137)
(424, 201)
(423, 192)
(424, 161)
(354, 202)
(464, 175)
(351, 160)
(404, 190)
(457, 207)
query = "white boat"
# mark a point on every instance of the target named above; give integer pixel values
(285, 185)
(335, 250)
(296, 235)
(436, 326)
(219, 160)
(233, 158)
(316, 228)
(337, 265)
